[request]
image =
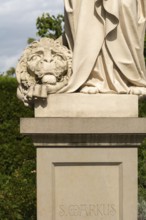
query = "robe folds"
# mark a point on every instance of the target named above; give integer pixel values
(106, 37)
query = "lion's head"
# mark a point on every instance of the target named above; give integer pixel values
(45, 62)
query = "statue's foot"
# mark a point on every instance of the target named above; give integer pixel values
(89, 90)
(137, 90)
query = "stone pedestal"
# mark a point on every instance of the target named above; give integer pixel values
(86, 164)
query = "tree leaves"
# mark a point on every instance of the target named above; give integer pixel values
(50, 26)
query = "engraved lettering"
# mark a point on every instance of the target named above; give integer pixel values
(73, 210)
(106, 210)
(61, 210)
(93, 210)
(112, 210)
(99, 210)
(85, 210)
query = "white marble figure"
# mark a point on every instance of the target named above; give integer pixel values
(106, 37)
(45, 67)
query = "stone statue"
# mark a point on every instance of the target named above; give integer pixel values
(106, 40)
(45, 67)
(106, 37)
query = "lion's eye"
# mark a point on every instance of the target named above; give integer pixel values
(36, 57)
(58, 57)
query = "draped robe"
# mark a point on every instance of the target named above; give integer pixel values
(106, 37)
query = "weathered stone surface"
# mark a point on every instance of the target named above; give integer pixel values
(45, 67)
(87, 105)
(87, 183)
(83, 126)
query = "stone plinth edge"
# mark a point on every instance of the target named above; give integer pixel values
(85, 131)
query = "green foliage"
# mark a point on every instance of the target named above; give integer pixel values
(30, 40)
(142, 171)
(17, 157)
(10, 72)
(142, 165)
(50, 26)
(142, 107)
(142, 210)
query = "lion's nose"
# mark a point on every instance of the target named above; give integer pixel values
(45, 60)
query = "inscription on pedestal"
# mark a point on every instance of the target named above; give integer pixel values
(88, 210)
(86, 191)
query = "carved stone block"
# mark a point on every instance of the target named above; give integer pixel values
(87, 183)
(87, 105)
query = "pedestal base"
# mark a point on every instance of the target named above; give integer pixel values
(87, 183)
(86, 156)
(86, 167)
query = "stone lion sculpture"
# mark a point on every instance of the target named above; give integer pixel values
(45, 67)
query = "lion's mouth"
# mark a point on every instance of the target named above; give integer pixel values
(49, 78)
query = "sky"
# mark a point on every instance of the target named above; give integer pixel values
(17, 24)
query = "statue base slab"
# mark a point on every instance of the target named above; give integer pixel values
(87, 105)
